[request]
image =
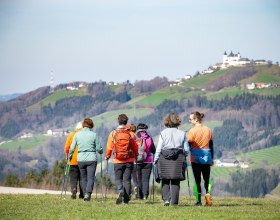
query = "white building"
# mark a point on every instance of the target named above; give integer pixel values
(233, 60)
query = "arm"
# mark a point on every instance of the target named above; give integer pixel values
(152, 147)
(73, 147)
(158, 150)
(109, 146)
(99, 148)
(67, 145)
(186, 146)
(211, 148)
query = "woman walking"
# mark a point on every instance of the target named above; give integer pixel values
(202, 153)
(143, 168)
(88, 146)
(170, 156)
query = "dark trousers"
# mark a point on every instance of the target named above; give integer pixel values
(199, 169)
(123, 173)
(75, 178)
(170, 190)
(142, 174)
(87, 170)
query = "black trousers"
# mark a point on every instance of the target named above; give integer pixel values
(199, 169)
(75, 179)
(123, 173)
(142, 175)
(87, 170)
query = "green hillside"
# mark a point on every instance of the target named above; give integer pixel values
(26, 143)
(195, 85)
(269, 156)
(57, 95)
(110, 118)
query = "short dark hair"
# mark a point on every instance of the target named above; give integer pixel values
(88, 123)
(122, 119)
(142, 126)
(172, 120)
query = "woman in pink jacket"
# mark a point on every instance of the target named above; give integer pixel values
(143, 168)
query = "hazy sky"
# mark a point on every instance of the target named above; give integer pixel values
(90, 40)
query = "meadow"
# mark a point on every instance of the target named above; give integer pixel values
(20, 206)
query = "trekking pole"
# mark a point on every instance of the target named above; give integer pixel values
(101, 176)
(188, 181)
(137, 180)
(65, 178)
(153, 188)
(106, 178)
(95, 187)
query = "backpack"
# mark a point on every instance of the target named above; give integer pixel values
(122, 144)
(141, 144)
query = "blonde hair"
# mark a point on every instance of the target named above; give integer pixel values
(79, 125)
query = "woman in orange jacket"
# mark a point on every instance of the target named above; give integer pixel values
(74, 171)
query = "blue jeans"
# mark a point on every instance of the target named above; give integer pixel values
(87, 170)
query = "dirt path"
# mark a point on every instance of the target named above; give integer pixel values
(12, 190)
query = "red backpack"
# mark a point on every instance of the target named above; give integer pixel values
(122, 145)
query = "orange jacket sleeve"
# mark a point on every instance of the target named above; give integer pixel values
(110, 145)
(68, 143)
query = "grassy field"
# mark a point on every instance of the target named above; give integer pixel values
(26, 143)
(54, 207)
(268, 155)
(110, 118)
(57, 95)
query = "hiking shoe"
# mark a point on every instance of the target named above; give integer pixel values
(198, 204)
(120, 198)
(166, 203)
(74, 194)
(87, 197)
(208, 199)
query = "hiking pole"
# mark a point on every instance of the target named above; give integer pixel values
(188, 181)
(106, 178)
(95, 186)
(153, 184)
(137, 179)
(101, 176)
(65, 178)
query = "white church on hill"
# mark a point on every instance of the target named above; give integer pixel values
(233, 60)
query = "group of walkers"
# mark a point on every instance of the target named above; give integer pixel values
(135, 156)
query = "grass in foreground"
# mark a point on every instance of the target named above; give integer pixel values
(54, 207)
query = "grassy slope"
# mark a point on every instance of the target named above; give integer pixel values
(264, 74)
(57, 95)
(26, 143)
(54, 207)
(108, 118)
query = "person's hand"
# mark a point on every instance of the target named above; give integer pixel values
(107, 158)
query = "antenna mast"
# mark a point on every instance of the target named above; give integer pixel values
(51, 82)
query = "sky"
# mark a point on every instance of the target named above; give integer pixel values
(109, 40)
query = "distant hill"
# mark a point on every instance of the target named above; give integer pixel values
(4, 98)
(242, 120)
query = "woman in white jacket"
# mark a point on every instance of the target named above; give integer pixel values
(170, 158)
